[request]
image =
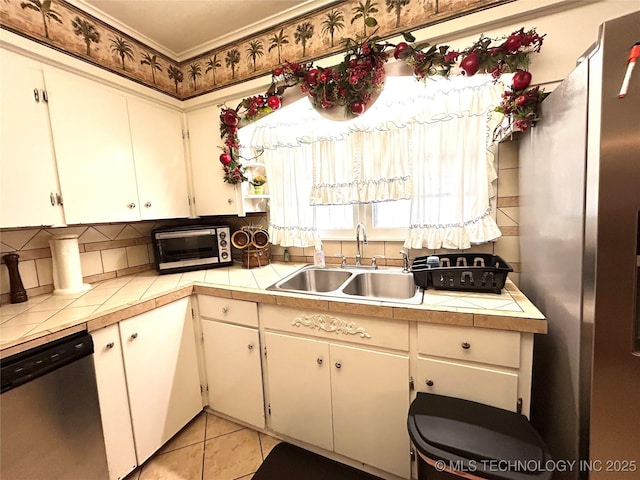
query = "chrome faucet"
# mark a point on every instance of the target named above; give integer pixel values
(360, 226)
(405, 261)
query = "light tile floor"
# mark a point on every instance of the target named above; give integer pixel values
(208, 448)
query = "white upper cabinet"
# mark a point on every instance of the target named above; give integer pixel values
(92, 142)
(158, 152)
(29, 190)
(212, 195)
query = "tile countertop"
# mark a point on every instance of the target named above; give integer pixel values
(47, 317)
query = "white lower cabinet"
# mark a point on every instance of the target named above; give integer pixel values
(114, 402)
(161, 365)
(300, 388)
(148, 383)
(479, 364)
(348, 399)
(234, 371)
(232, 358)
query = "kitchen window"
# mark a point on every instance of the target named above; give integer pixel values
(415, 167)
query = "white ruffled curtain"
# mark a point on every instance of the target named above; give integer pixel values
(423, 141)
(452, 164)
(290, 177)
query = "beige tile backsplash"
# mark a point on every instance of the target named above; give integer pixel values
(106, 251)
(110, 250)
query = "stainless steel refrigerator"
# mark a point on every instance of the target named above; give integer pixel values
(579, 227)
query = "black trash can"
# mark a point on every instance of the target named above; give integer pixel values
(458, 438)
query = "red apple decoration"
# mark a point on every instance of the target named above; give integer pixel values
(401, 50)
(312, 77)
(230, 118)
(512, 44)
(278, 71)
(274, 102)
(225, 158)
(522, 100)
(470, 64)
(521, 80)
(357, 107)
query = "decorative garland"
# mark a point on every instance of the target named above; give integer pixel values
(351, 84)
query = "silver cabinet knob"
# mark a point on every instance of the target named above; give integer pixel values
(465, 345)
(148, 204)
(429, 382)
(250, 346)
(319, 360)
(132, 205)
(225, 309)
(338, 365)
(110, 345)
(229, 201)
(134, 336)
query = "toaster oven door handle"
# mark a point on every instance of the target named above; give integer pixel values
(195, 233)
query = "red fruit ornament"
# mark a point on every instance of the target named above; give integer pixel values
(469, 64)
(521, 80)
(401, 50)
(312, 77)
(274, 102)
(225, 158)
(512, 44)
(357, 107)
(522, 100)
(278, 71)
(230, 118)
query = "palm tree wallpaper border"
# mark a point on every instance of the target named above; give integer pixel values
(66, 28)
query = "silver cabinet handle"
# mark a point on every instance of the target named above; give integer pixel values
(110, 345)
(465, 345)
(59, 199)
(148, 204)
(338, 365)
(250, 346)
(45, 97)
(134, 336)
(429, 382)
(52, 197)
(132, 205)
(319, 360)
(36, 95)
(225, 309)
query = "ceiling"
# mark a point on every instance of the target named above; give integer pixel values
(185, 28)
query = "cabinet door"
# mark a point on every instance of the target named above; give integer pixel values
(480, 384)
(158, 152)
(114, 402)
(92, 141)
(212, 195)
(28, 177)
(370, 392)
(161, 365)
(299, 389)
(234, 371)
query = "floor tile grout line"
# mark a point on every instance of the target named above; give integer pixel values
(204, 443)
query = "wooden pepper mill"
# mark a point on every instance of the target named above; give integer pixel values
(17, 292)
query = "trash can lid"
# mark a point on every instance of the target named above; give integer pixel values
(453, 429)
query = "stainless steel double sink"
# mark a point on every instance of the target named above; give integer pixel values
(390, 285)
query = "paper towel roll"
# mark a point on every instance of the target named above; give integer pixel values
(67, 273)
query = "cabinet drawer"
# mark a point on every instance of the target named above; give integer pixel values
(484, 385)
(337, 326)
(495, 347)
(228, 310)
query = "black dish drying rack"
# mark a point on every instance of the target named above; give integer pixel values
(471, 272)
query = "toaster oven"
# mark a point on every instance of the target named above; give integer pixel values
(196, 247)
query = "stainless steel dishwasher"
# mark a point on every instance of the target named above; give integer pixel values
(50, 425)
